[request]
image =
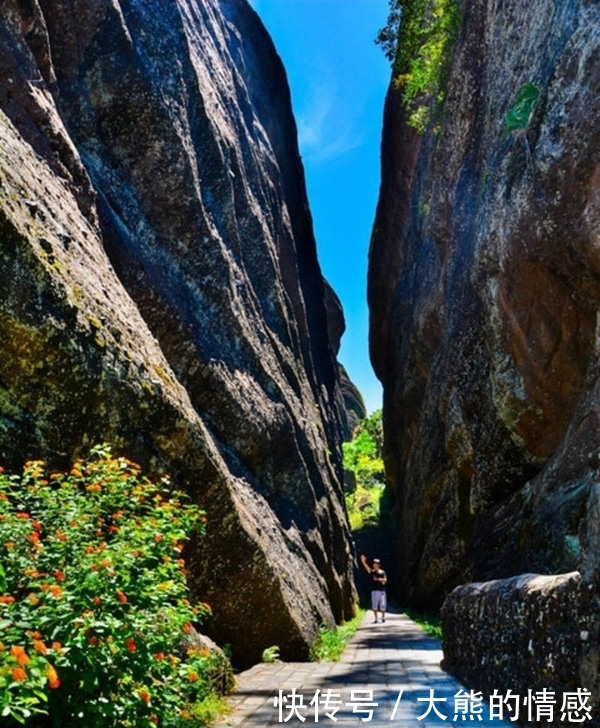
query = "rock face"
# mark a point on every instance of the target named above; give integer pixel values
(484, 292)
(354, 406)
(541, 632)
(161, 291)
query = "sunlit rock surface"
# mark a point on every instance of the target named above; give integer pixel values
(161, 291)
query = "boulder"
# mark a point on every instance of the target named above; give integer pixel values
(527, 634)
(161, 291)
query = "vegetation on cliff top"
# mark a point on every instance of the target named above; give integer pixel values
(418, 39)
(94, 605)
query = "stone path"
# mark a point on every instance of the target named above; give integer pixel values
(380, 663)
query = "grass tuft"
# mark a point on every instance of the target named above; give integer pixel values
(332, 642)
(427, 622)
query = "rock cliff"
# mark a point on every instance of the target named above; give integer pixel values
(161, 291)
(484, 289)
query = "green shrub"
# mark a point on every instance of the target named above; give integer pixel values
(271, 654)
(94, 604)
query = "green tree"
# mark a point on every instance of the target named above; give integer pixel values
(363, 457)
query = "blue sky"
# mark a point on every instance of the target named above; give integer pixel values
(338, 78)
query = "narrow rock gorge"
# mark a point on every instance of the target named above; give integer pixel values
(161, 292)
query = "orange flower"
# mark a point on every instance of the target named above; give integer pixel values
(53, 680)
(10, 544)
(130, 642)
(18, 674)
(24, 516)
(33, 537)
(59, 575)
(40, 647)
(121, 597)
(144, 695)
(55, 590)
(160, 655)
(192, 676)
(7, 599)
(19, 654)
(187, 628)
(36, 525)
(56, 646)
(61, 536)
(97, 601)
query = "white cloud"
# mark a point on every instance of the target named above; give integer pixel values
(328, 125)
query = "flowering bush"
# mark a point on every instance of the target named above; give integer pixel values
(93, 598)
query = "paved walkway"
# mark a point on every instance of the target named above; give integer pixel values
(389, 676)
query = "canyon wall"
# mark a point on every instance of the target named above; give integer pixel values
(161, 291)
(483, 290)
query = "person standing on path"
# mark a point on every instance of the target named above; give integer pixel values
(378, 582)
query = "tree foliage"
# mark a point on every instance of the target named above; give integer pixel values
(363, 457)
(418, 39)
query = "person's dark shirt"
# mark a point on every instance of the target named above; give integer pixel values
(377, 585)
